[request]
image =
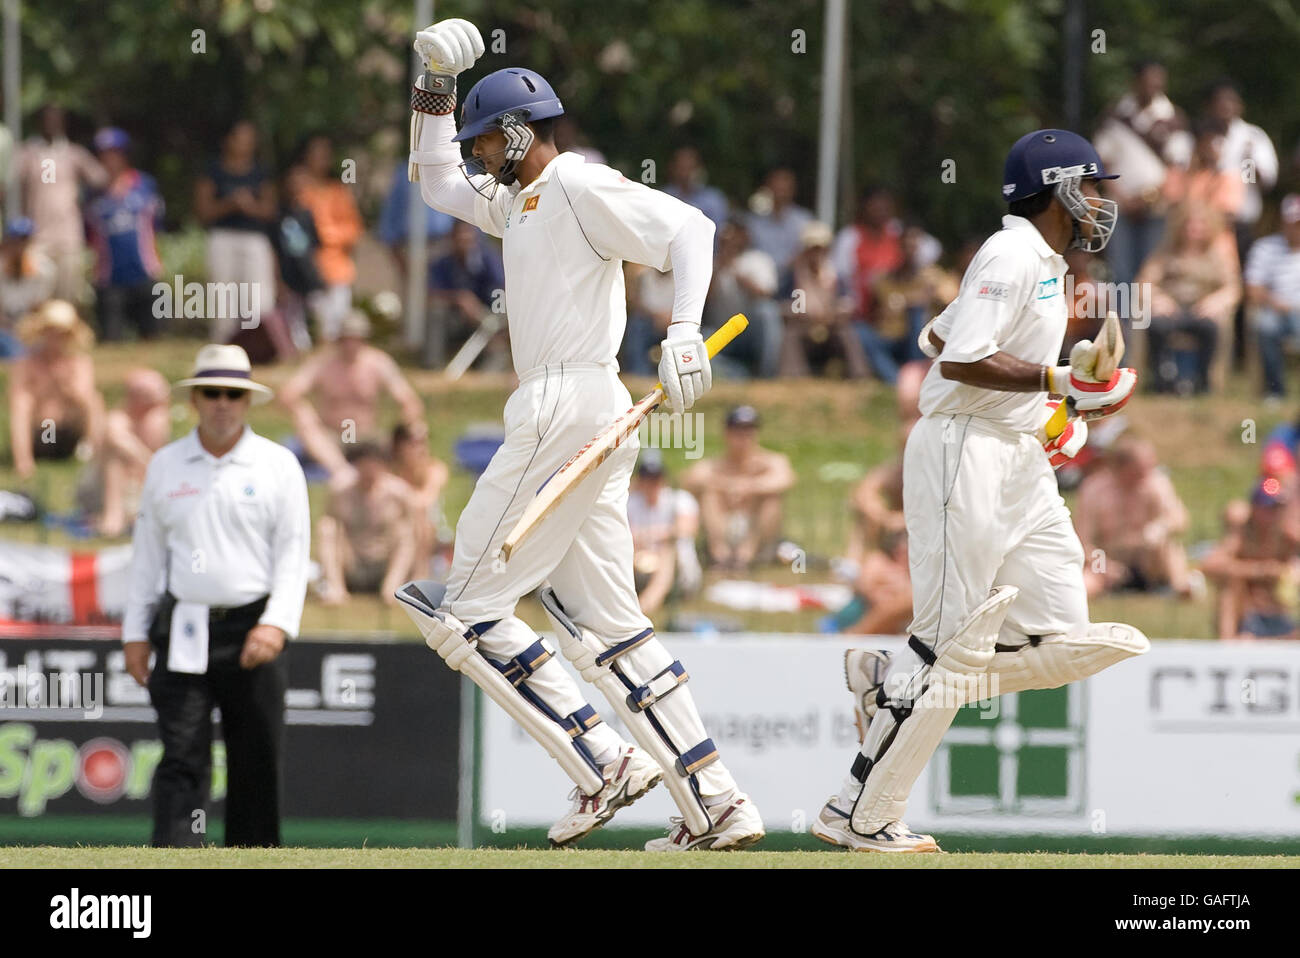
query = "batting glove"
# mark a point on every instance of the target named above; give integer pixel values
(684, 369)
(1089, 399)
(1069, 443)
(449, 47)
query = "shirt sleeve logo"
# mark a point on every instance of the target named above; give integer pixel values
(988, 289)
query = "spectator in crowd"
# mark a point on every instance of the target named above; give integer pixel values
(1273, 294)
(876, 506)
(467, 284)
(1255, 566)
(121, 221)
(296, 244)
(883, 586)
(1130, 521)
(1248, 154)
(1195, 284)
(235, 199)
(54, 406)
(427, 476)
(1205, 182)
(776, 221)
(688, 182)
(338, 228)
(394, 218)
(345, 380)
(744, 281)
(27, 279)
(869, 248)
(664, 523)
(1139, 138)
(367, 538)
(108, 491)
(905, 299)
(51, 172)
(741, 495)
(649, 310)
(818, 312)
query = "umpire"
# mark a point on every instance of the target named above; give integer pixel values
(218, 575)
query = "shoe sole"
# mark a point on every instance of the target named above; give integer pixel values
(610, 809)
(926, 849)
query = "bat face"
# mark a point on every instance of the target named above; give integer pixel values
(1110, 347)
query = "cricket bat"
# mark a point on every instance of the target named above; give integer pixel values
(1110, 347)
(589, 457)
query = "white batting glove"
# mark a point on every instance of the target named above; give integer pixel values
(449, 47)
(684, 367)
(1089, 399)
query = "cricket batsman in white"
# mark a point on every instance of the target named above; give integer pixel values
(997, 569)
(566, 228)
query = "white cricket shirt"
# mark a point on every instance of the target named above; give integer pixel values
(564, 238)
(1012, 301)
(222, 532)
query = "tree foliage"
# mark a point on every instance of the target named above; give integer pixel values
(929, 80)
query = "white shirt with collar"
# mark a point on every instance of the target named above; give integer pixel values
(564, 239)
(1012, 300)
(222, 532)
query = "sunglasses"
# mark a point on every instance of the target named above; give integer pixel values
(212, 392)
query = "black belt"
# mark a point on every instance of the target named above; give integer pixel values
(220, 613)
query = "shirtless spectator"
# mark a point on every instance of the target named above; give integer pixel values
(427, 476)
(345, 380)
(53, 403)
(1255, 566)
(367, 540)
(884, 584)
(1130, 520)
(741, 494)
(664, 522)
(109, 490)
(818, 311)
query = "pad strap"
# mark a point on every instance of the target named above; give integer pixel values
(640, 699)
(622, 648)
(581, 721)
(527, 662)
(693, 760)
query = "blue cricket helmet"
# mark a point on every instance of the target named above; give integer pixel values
(513, 90)
(1040, 160)
(1059, 160)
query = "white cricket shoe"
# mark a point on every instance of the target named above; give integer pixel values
(832, 826)
(864, 674)
(736, 825)
(627, 778)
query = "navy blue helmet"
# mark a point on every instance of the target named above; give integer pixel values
(1059, 160)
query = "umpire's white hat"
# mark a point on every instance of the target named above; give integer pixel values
(225, 366)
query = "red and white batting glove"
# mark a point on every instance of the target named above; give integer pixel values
(1091, 400)
(1069, 443)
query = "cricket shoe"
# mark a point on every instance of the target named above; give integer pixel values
(627, 778)
(736, 825)
(864, 674)
(832, 826)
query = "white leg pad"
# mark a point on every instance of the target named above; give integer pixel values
(648, 730)
(923, 700)
(458, 647)
(1056, 660)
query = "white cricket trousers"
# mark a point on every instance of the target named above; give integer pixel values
(583, 548)
(982, 509)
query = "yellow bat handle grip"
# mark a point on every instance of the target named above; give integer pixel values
(724, 334)
(1056, 425)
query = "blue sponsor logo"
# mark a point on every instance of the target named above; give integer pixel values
(1048, 288)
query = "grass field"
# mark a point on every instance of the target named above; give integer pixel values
(131, 857)
(832, 431)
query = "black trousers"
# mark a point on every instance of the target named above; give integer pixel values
(252, 725)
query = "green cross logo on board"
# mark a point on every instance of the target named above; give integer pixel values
(1028, 760)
